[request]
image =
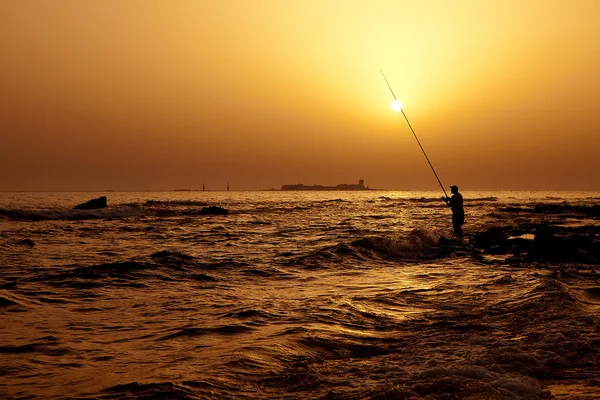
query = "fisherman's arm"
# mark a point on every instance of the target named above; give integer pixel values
(447, 200)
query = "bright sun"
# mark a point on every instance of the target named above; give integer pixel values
(396, 105)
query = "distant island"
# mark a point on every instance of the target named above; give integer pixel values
(341, 186)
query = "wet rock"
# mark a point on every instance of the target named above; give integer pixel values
(520, 246)
(497, 249)
(213, 210)
(493, 239)
(447, 247)
(25, 242)
(592, 211)
(560, 247)
(92, 204)
(444, 241)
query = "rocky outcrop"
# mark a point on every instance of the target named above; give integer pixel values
(565, 247)
(493, 241)
(213, 210)
(92, 204)
(26, 242)
(588, 211)
(585, 211)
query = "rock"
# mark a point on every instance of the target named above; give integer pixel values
(590, 211)
(496, 250)
(520, 246)
(444, 241)
(25, 242)
(492, 238)
(213, 210)
(555, 247)
(92, 204)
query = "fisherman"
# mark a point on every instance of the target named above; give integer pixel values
(458, 212)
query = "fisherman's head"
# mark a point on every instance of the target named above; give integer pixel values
(454, 189)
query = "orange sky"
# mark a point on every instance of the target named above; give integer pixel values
(148, 94)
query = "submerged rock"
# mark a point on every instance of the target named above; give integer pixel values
(26, 242)
(213, 210)
(92, 204)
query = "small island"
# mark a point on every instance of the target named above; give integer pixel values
(341, 186)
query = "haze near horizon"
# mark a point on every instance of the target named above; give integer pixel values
(158, 95)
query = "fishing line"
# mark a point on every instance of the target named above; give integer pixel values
(397, 106)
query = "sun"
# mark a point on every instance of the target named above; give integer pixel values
(396, 105)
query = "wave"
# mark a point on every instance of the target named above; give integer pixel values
(165, 266)
(231, 329)
(45, 345)
(155, 209)
(7, 301)
(413, 246)
(75, 215)
(418, 244)
(165, 390)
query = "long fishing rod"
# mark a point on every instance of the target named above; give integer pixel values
(397, 106)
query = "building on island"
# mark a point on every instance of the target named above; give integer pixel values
(341, 186)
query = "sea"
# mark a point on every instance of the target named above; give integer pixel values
(296, 295)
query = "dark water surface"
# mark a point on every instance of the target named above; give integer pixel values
(347, 295)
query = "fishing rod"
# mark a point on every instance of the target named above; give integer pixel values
(397, 106)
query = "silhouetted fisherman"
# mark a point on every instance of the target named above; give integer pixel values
(458, 212)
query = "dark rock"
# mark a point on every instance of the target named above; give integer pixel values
(588, 211)
(520, 246)
(593, 211)
(25, 242)
(556, 247)
(213, 210)
(493, 237)
(447, 247)
(444, 241)
(92, 204)
(497, 249)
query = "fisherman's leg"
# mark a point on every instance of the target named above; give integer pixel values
(457, 230)
(457, 221)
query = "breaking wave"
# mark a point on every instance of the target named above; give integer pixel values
(418, 244)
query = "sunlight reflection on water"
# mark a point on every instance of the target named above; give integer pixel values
(293, 292)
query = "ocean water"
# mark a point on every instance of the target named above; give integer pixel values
(294, 295)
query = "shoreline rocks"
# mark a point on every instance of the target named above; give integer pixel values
(92, 204)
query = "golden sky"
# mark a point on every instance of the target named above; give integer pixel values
(149, 94)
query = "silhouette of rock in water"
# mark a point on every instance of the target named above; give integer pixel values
(590, 211)
(92, 204)
(213, 210)
(565, 247)
(26, 242)
(493, 241)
